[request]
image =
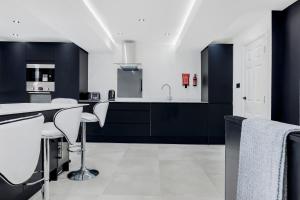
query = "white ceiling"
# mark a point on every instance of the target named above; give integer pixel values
(223, 19)
(30, 28)
(161, 17)
(71, 20)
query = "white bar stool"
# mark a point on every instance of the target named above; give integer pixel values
(66, 124)
(100, 111)
(20, 148)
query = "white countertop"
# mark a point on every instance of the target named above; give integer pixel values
(159, 100)
(150, 100)
(17, 108)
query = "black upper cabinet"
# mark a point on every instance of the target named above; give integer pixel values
(40, 52)
(217, 73)
(12, 72)
(71, 71)
(67, 71)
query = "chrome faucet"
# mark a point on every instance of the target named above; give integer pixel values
(170, 90)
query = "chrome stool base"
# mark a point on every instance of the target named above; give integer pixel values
(83, 174)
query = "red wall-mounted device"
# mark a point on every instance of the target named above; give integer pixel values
(185, 80)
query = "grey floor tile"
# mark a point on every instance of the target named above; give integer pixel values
(146, 172)
(183, 177)
(128, 197)
(128, 184)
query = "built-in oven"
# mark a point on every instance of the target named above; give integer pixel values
(40, 77)
(40, 82)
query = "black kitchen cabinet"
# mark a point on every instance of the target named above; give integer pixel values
(71, 68)
(12, 72)
(179, 120)
(125, 121)
(66, 71)
(182, 123)
(216, 124)
(40, 52)
(217, 73)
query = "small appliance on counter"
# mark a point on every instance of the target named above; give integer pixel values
(84, 96)
(94, 96)
(111, 95)
(89, 96)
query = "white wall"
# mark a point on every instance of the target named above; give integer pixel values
(160, 64)
(261, 27)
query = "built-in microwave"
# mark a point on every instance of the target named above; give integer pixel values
(40, 77)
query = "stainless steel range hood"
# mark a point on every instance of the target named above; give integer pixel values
(129, 56)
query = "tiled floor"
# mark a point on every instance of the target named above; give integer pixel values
(146, 172)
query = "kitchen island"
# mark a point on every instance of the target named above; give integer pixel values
(181, 121)
(59, 155)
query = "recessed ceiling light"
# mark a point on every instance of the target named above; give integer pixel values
(167, 34)
(16, 35)
(15, 21)
(141, 20)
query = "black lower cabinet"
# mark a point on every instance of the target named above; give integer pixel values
(216, 124)
(127, 122)
(183, 123)
(176, 122)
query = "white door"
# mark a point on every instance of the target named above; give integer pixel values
(255, 90)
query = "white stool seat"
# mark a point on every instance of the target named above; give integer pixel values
(88, 117)
(50, 131)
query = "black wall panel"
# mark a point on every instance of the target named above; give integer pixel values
(286, 64)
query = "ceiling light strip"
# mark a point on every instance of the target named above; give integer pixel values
(89, 5)
(185, 20)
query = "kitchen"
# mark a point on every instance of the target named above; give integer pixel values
(110, 100)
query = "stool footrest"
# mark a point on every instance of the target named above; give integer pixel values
(83, 174)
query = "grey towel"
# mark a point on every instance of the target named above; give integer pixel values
(262, 162)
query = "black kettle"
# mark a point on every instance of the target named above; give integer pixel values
(111, 95)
